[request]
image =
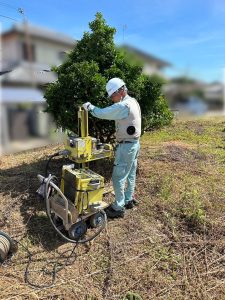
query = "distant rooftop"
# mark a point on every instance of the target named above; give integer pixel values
(146, 56)
(41, 32)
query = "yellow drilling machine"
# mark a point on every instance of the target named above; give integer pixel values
(76, 202)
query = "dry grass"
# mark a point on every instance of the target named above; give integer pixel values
(170, 247)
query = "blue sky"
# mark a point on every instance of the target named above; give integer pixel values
(189, 34)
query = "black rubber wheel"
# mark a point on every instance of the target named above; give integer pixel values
(97, 220)
(77, 230)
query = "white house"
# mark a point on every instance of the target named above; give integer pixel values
(152, 64)
(28, 53)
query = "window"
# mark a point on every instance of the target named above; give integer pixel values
(62, 55)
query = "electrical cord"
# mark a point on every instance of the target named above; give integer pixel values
(49, 182)
(56, 267)
(59, 153)
(55, 270)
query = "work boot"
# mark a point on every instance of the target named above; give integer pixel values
(135, 202)
(112, 213)
(130, 204)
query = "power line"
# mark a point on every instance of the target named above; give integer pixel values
(20, 10)
(8, 5)
(9, 18)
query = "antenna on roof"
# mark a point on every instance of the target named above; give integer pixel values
(21, 11)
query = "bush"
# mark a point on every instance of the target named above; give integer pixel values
(153, 104)
(83, 76)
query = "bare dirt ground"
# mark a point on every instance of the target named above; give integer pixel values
(169, 247)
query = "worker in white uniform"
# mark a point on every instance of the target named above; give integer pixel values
(127, 115)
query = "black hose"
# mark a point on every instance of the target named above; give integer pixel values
(59, 153)
(56, 269)
(48, 162)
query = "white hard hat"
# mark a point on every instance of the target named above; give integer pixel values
(113, 85)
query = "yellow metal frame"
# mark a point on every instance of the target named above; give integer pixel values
(87, 186)
(82, 151)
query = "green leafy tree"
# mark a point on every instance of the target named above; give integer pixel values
(83, 77)
(152, 102)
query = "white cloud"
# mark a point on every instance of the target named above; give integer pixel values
(190, 41)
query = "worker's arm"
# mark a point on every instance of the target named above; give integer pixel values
(116, 111)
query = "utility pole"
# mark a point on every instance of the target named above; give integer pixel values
(28, 47)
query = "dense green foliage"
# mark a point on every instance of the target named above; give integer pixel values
(83, 76)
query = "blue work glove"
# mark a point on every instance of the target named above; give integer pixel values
(88, 106)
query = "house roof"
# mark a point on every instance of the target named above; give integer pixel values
(146, 56)
(27, 72)
(40, 32)
(21, 95)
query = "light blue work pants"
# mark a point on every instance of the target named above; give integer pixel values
(124, 171)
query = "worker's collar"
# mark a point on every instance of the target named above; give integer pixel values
(125, 98)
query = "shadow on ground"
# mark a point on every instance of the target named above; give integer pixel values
(18, 191)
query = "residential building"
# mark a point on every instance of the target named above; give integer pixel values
(28, 53)
(151, 64)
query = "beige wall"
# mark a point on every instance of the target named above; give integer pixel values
(11, 50)
(46, 51)
(151, 69)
